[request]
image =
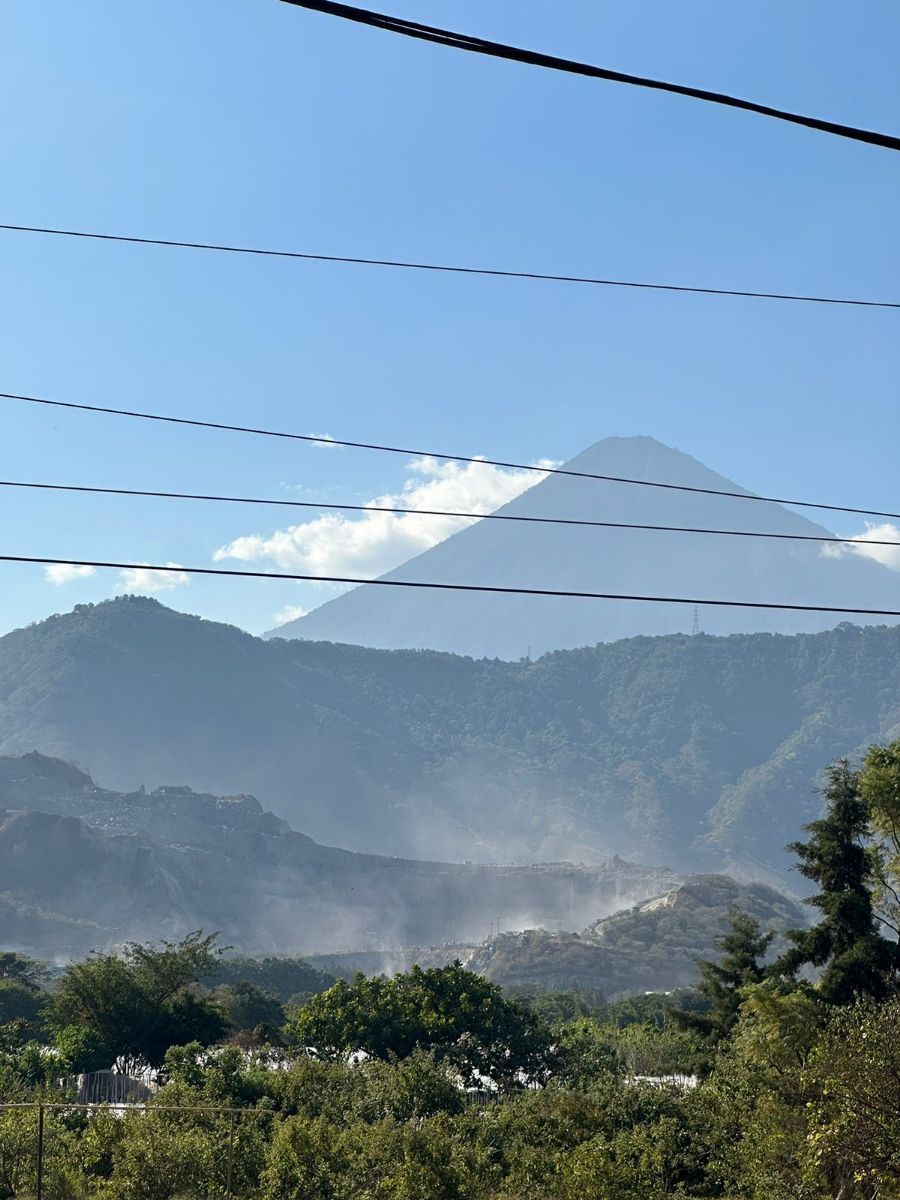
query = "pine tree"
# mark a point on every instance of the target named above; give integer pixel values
(855, 959)
(743, 948)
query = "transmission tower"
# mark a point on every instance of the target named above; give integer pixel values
(695, 627)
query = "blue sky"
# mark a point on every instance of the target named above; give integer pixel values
(257, 123)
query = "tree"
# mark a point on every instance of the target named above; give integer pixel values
(753, 1106)
(879, 786)
(22, 969)
(779, 1027)
(22, 1061)
(248, 1007)
(19, 1002)
(743, 948)
(856, 1119)
(21, 997)
(557, 1008)
(286, 978)
(856, 960)
(138, 1004)
(411, 1090)
(461, 1017)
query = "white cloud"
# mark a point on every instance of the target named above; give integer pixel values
(144, 579)
(325, 442)
(60, 573)
(376, 542)
(290, 612)
(888, 556)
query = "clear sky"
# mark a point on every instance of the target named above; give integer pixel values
(257, 123)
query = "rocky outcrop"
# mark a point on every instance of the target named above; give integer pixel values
(85, 867)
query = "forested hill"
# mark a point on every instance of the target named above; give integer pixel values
(692, 751)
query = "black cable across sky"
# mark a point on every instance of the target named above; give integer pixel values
(478, 45)
(445, 268)
(442, 587)
(463, 458)
(432, 512)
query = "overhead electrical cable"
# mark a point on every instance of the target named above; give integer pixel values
(449, 269)
(437, 512)
(321, 439)
(479, 45)
(169, 568)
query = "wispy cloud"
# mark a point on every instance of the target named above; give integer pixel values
(290, 612)
(376, 542)
(888, 556)
(146, 580)
(60, 573)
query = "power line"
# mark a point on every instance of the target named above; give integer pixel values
(439, 512)
(443, 587)
(461, 458)
(448, 268)
(478, 45)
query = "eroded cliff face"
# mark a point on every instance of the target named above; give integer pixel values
(649, 946)
(84, 867)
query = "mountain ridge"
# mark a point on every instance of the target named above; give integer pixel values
(699, 751)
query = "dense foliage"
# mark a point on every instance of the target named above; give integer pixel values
(722, 983)
(855, 958)
(134, 1006)
(288, 979)
(435, 1085)
(457, 1016)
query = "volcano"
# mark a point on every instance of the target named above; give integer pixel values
(634, 562)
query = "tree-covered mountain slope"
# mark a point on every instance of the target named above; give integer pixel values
(626, 561)
(699, 752)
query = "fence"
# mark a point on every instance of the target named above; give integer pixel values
(33, 1137)
(24, 1152)
(108, 1087)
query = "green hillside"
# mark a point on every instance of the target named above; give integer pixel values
(700, 752)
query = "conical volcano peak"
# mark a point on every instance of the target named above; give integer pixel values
(659, 542)
(644, 457)
(648, 461)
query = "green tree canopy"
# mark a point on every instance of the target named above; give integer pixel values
(879, 786)
(856, 1119)
(22, 969)
(248, 1007)
(855, 958)
(19, 1002)
(459, 1016)
(285, 977)
(138, 1004)
(743, 949)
